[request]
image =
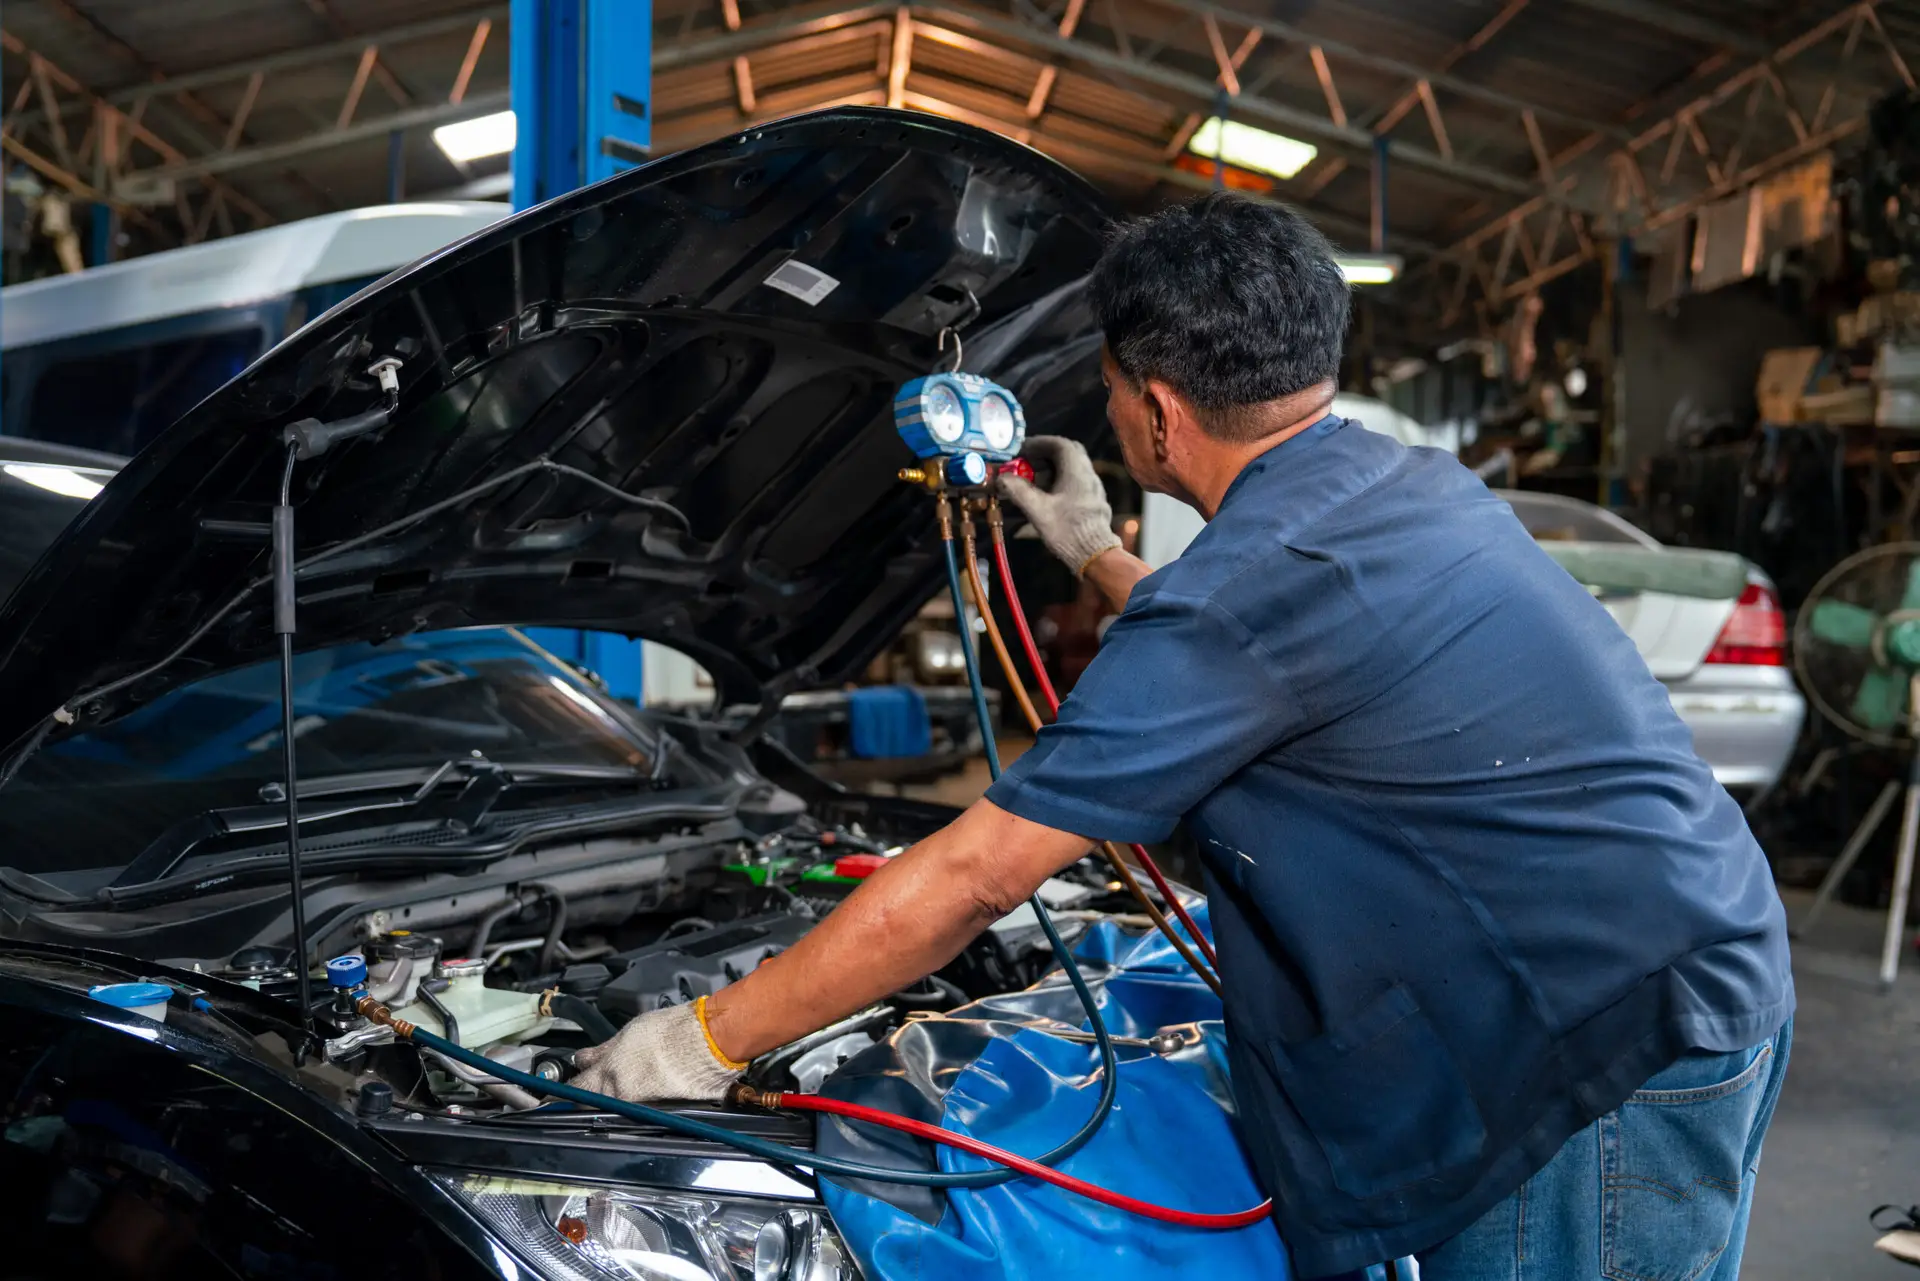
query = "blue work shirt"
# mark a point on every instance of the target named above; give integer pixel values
(1470, 882)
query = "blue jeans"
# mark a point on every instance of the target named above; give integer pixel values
(1657, 1190)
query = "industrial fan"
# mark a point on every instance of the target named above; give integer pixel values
(1856, 650)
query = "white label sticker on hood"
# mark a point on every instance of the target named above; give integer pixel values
(808, 284)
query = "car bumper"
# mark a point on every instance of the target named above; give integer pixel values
(1745, 721)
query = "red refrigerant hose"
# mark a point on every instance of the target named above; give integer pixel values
(1145, 859)
(1000, 1156)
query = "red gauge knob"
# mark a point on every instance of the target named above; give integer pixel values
(1018, 467)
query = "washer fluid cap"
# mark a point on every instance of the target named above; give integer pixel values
(131, 996)
(347, 971)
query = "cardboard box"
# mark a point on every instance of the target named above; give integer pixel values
(1887, 313)
(1785, 373)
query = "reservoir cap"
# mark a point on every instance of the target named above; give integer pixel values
(131, 996)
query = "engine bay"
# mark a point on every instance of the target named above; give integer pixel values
(523, 986)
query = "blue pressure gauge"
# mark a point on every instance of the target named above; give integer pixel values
(946, 415)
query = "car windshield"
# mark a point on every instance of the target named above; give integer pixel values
(94, 799)
(1562, 520)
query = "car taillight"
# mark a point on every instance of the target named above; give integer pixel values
(1756, 635)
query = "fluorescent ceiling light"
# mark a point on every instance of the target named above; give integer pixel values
(1380, 270)
(64, 481)
(1248, 148)
(474, 139)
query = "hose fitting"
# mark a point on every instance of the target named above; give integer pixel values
(374, 1012)
(742, 1095)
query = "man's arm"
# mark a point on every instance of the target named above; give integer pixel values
(910, 918)
(1114, 572)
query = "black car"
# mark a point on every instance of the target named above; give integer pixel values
(659, 406)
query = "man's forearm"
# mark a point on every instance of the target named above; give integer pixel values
(910, 918)
(1114, 572)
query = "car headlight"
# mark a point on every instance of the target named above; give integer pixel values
(576, 1233)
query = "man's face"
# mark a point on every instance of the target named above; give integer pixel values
(1131, 413)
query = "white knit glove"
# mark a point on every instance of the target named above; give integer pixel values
(1074, 518)
(663, 1054)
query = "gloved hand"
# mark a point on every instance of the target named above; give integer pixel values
(1074, 519)
(663, 1054)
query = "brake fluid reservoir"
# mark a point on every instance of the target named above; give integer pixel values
(484, 1015)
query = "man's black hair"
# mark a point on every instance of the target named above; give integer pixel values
(1233, 302)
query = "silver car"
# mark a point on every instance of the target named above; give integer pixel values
(1708, 623)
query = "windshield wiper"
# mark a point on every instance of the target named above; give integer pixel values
(387, 780)
(486, 783)
(245, 870)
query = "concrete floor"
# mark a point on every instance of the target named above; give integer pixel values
(1846, 1137)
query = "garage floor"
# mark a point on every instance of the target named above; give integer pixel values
(1847, 1134)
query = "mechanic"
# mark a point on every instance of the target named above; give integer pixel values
(1506, 974)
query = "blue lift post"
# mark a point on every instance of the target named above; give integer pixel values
(582, 87)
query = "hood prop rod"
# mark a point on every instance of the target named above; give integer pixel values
(308, 438)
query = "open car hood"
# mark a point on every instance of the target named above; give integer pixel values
(629, 331)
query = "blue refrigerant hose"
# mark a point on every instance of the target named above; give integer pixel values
(783, 1154)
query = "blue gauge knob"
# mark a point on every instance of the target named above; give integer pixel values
(347, 971)
(966, 470)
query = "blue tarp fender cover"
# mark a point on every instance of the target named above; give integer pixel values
(989, 1070)
(886, 722)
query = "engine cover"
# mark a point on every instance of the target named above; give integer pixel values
(683, 967)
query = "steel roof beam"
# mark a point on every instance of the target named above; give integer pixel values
(1725, 174)
(1677, 22)
(291, 58)
(753, 36)
(1276, 115)
(1366, 58)
(277, 152)
(46, 73)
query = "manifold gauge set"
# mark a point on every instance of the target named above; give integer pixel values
(962, 422)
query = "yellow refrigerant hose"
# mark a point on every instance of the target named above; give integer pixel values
(1020, 696)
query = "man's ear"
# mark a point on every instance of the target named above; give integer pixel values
(1170, 414)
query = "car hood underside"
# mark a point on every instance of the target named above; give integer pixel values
(628, 335)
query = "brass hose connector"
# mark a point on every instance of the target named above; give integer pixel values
(931, 479)
(374, 1012)
(742, 1095)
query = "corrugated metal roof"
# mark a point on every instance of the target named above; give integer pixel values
(1620, 65)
